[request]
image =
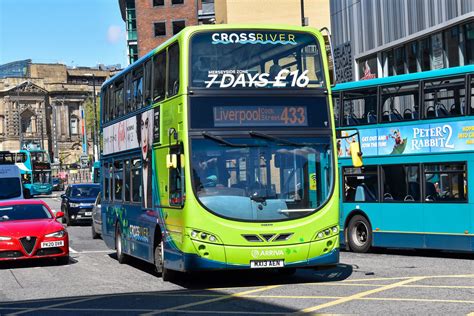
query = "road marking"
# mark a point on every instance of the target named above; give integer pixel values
(95, 251)
(404, 278)
(407, 286)
(359, 295)
(224, 297)
(72, 250)
(434, 300)
(54, 305)
(80, 309)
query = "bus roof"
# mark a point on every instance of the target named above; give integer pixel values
(187, 31)
(432, 74)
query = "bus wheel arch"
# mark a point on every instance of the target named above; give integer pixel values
(358, 232)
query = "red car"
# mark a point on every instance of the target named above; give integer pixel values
(29, 229)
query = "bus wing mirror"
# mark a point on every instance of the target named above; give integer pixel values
(171, 161)
(330, 53)
(356, 155)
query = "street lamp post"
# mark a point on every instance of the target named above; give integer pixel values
(304, 21)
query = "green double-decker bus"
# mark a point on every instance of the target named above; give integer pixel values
(219, 152)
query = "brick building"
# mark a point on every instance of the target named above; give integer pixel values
(40, 105)
(151, 22)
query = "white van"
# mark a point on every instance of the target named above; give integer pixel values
(10, 183)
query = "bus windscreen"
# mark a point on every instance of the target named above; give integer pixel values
(260, 59)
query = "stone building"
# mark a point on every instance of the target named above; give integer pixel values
(40, 106)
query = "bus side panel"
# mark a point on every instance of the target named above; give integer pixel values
(138, 232)
(108, 224)
(399, 219)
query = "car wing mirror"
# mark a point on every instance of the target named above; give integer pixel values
(59, 214)
(63, 196)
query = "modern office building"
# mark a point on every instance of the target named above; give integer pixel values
(380, 38)
(151, 22)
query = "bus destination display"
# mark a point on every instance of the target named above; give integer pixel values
(255, 116)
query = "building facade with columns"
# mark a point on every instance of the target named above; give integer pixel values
(40, 106)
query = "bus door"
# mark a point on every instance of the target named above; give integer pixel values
(136, 203)
(170, 175)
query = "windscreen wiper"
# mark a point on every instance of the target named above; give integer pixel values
(282, 141)
(225, 142)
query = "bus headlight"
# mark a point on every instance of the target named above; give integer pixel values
(204, 236)
(327, 232)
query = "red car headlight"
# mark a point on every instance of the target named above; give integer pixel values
(58, 234)
(5, 238)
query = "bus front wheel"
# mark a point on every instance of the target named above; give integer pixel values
(359, 234)
(160, 262)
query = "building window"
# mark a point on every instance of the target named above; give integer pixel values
(469, 37)
(399, 60)
(452, 46)
(133, 53)
(2, 124)
(437, 52)
(368, 68)
(160, 28)
(177, 1)
(157, 3)
(178, 26)
(388, 63)
(412, 52)
(424, 54)
(74, 123)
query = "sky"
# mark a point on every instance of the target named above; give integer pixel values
(72, 32)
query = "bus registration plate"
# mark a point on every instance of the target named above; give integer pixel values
(278, 263)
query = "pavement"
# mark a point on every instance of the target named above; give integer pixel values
(382, 282)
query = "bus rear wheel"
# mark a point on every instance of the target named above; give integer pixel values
(359, 234)
(160, 262)
(121, 257)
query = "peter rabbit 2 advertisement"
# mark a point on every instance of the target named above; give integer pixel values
(412, 139)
